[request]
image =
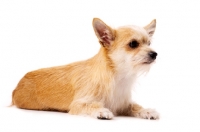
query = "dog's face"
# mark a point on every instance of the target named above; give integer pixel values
(128, 46)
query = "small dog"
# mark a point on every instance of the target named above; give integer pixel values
(99, 86)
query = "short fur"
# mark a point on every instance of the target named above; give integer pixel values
(100, 86)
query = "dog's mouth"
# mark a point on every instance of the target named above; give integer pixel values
(148, 62)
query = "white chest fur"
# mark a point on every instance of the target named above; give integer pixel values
(121, 94)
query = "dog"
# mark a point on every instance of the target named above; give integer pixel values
(100, 86)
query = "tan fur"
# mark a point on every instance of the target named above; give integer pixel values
(100, 86)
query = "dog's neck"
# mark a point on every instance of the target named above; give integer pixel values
(103, 61)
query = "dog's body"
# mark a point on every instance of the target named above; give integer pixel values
(99, 86)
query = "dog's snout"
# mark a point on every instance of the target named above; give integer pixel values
(153, 54)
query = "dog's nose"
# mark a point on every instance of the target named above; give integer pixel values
(153, 54)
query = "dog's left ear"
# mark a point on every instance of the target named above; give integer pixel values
(104, 33)
(150, 28)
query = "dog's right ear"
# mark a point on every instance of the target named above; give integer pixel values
(150, 28)
(104, 33)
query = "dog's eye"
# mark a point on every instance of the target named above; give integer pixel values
(134, 44)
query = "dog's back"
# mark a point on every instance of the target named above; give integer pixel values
(45, 89)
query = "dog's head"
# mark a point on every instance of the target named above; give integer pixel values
(128, 46)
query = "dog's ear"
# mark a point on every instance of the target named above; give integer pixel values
(104, 33)
(150, 28)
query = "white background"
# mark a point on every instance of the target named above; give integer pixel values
(43, 33)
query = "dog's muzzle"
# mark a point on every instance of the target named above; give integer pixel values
(152, 55)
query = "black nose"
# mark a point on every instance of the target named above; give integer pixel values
(153, 54)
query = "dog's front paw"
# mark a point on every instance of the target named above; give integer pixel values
(148, 114)
(103, 113)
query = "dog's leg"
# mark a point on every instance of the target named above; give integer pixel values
(140, 112)
(94, 109)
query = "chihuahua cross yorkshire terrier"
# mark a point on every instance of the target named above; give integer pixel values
(100, 86)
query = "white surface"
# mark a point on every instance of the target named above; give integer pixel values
(36, 34)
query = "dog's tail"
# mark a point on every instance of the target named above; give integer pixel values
(12, 103)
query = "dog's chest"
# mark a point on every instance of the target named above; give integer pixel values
(121, 96)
